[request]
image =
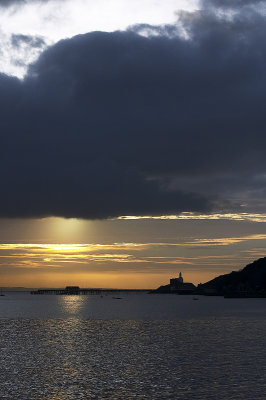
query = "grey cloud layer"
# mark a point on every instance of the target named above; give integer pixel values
(9, 3)
(109, 124)
(230, 4)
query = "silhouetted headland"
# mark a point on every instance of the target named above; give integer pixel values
(247, 282)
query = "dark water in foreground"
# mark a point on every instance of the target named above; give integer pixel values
(139, 347)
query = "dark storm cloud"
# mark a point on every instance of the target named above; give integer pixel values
(109, 124)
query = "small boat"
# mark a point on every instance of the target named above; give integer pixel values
(117, 298)
(195, 298)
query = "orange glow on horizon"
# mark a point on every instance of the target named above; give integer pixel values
(122, 280)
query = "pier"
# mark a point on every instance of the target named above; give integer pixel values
(76, 290)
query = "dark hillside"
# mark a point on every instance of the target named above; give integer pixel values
(248, 282)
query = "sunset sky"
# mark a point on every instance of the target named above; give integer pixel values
(132, 140)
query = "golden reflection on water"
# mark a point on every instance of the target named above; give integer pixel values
(57, 397)
(73, 305)
(60, 340)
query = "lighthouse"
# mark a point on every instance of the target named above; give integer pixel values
(178, 286)
(177, 282)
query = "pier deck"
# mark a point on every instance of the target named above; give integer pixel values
(73, 290)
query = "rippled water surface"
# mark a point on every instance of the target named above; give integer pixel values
(138, 347)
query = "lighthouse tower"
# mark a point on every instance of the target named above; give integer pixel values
(176, 283)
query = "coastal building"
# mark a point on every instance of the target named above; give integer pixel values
(175, 282)
(177, 285)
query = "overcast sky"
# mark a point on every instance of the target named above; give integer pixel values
(150, 108)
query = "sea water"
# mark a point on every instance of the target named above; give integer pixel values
(140, 346)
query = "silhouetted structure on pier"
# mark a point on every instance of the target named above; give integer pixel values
(69, 290)
(76, 290)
